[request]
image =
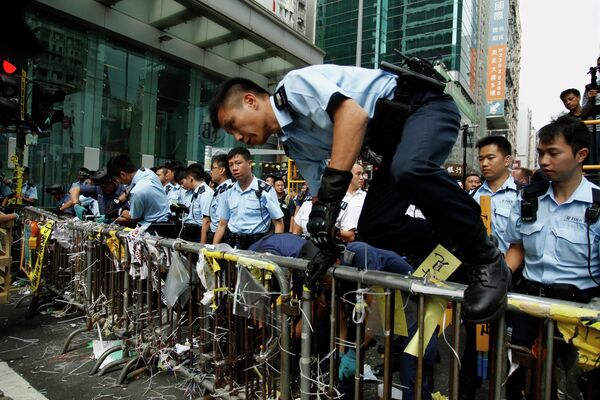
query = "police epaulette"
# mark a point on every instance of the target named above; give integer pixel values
(201, 190)
(262, 185)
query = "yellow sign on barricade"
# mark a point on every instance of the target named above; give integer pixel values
(438, 265)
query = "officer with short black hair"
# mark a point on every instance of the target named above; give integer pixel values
(249, 207)
(58, 193)
(555, 229)
(220, 175)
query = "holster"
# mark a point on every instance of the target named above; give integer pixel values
(385, 128)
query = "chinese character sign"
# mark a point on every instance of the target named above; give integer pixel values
(497, 53)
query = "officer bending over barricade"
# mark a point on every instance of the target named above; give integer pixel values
(554, 228)
(330, 111)
(248, 208)
(147, 198)
(61, 198)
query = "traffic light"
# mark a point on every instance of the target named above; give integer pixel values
(10, 92)
(42, 100)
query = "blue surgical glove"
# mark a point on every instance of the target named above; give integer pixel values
(80, 211)
(347, 367)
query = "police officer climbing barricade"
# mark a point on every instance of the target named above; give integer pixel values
(249, 208)
(221, 176)
(332, 112)
(554, 229)
(148, 201)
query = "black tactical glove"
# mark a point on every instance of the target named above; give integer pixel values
(320, 263)
(179, 208)
(112, 209)
(321, 222)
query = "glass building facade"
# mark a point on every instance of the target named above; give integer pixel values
(443, 31)
(119, 99)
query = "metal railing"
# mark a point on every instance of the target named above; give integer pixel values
(233, 333)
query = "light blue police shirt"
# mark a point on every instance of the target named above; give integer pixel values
(172, 192)
(148, 199)
(199, 204)
(245, 212)
(214, 204)
(185, 196)
(502, 202)
(556, 245)
(307, 133)
(29, 190)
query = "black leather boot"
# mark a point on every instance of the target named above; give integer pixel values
(488, 275)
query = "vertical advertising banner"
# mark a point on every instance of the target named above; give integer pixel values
(497, 52)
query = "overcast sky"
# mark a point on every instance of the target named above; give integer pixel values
(560, 41)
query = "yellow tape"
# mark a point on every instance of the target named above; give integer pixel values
(36, 275)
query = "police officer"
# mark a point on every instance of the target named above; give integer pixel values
(494, 162)
(279, 186)
(198, 204)
(248, 208)
(147, 198)
(556, 231)
(103, 188)
(173, 176)
(221, 176)
(325, 111)
(62, 199)
(28, 191)
(351, 206)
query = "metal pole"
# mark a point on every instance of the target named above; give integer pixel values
(465, 142)
(360, 357)
(388, 335)
(306, 345)
(332, 336)
(421, 327)
(549, 356)
(454, 369)
(499, 356)
(359, 29)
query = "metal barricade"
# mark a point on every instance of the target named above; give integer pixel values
(233, 332)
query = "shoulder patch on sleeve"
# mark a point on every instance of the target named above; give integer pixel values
(264, 185)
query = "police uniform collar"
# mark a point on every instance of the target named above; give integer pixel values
(201, 188)
(253, 185)
(284, 118)
(508, 184)
(583, 193)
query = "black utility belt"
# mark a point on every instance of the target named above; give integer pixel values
(243, 241)
(561, 291)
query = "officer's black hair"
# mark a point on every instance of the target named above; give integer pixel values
(195, 171)
(229, 93)
(174, 165)
(500, 141)
(179, 175)
(119, 163)
(278, 178)
(221, 160)
(573, 130)
(239, 151)
(567, 92)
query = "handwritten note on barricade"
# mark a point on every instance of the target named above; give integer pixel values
(438, 265)
(400, 327)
